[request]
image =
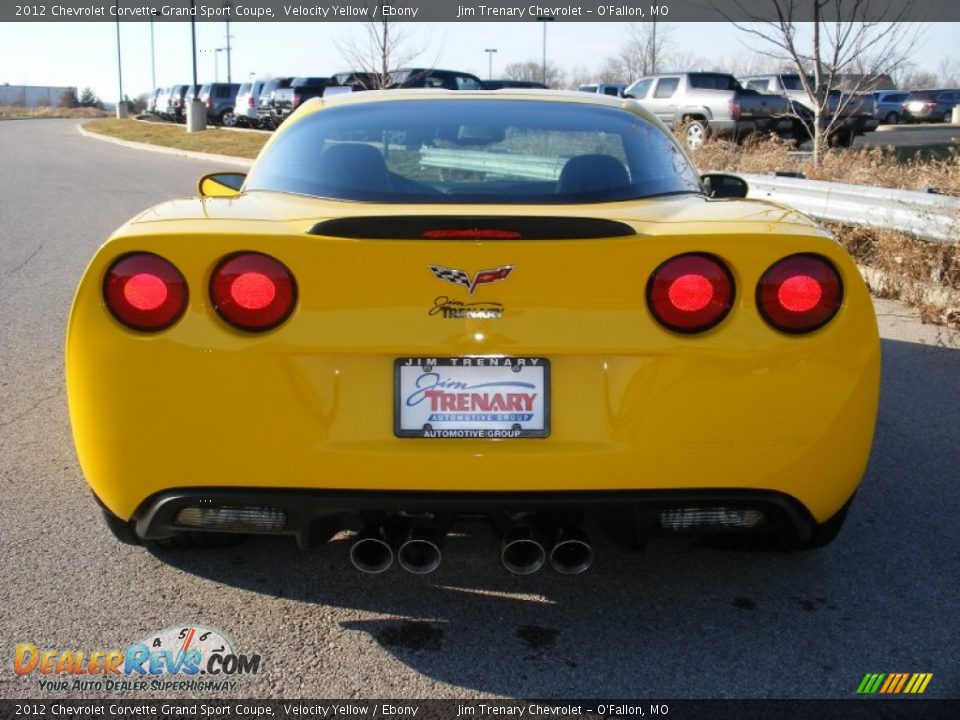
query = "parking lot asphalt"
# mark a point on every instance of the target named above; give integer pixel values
(675, 621)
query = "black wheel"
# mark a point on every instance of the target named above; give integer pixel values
(843, 139)
(891, 119)
(948, 118)
(227, 118)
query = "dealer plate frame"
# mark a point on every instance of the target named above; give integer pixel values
(420, 433)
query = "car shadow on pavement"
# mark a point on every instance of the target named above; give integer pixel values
(677, 617)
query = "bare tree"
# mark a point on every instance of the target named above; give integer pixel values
(386, 46)
(642, 53)
(949, 72)
(910, 77)
(867, 37)
(532, 70)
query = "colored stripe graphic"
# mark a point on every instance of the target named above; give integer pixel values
(894, 683)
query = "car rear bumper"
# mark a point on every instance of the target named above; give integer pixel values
(313, 516)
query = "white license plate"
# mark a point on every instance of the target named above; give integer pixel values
(472, 397)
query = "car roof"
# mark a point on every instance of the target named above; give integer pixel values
(522, 94)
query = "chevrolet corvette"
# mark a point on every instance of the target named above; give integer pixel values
(424, 307)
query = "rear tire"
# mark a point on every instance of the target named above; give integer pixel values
(695, 133)
(891, 119)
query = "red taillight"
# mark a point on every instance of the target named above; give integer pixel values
(296, 99)
(930, 105)
(471, 234)
(250, 102)
(252, 291)
(210, 103)
(800, 293)
(145, 292)
(690, 293)
(735, 108)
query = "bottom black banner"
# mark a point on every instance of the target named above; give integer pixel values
(876, 709)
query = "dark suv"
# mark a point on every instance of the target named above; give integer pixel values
(930, 105)
(286, 100)
(219, 98)
(265, 112)
(429, 78)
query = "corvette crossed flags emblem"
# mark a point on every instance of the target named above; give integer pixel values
(459, 277)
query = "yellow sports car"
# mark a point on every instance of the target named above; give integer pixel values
(425, 305)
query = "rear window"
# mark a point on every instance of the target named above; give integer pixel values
(758, 85)
(923, 95)
(474, 151)
(713, 81)
(791, 82)
(309, 81)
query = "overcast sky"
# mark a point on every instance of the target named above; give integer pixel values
(84, 54)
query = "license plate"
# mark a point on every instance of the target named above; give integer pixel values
(472, 397)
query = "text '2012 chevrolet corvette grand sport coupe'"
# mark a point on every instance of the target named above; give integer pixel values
(519, 305)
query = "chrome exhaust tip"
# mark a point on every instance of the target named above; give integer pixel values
(420, 552)
(522, 553)
(371, 553)
(572, 553)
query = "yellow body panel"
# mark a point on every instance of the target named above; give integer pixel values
(633, 405)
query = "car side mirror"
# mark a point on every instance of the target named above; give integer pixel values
(721, 185)
(221, 184)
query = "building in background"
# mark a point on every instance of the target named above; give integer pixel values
(30, 95)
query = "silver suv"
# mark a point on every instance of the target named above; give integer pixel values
(246, 103)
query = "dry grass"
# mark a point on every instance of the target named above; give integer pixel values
(212, 140)
(15, 112)
(877, 166)
(910, 266)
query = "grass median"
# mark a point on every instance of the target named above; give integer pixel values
(212, 140)
(18, 112)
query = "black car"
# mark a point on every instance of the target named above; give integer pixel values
(431, 78)
(930, 105)
(265, 112)
(286, 100)
(501, 84)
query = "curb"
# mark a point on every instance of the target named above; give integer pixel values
(209, 157)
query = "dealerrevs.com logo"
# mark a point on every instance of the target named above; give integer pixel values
(186, 657)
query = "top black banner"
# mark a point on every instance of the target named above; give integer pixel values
(475, 11)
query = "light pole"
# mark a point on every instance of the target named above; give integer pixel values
(121, 105)
(490, 52)
(153, 61)
(544, 19)
(228, 4)
(196, 111)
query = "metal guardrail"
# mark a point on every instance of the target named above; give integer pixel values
(525, 166)
(927, 215)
